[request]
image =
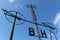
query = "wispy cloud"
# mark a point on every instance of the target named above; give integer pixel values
(57, 20)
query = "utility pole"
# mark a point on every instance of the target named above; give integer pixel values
(15, 17)
(12, 31)
(50, 34)
(8, 13)
(34, 20)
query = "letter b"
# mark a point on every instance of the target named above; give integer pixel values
(31, 32)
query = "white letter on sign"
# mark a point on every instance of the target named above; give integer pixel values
(43, 33)
(31, 32)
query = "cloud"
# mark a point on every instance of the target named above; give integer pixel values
(57, 18)
(11, 0)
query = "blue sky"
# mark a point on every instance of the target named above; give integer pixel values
(46, 10)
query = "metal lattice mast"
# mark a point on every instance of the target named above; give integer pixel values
(35, 20)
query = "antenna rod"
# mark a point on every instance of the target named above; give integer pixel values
(34, 20)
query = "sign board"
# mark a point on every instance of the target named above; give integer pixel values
(32, 33)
